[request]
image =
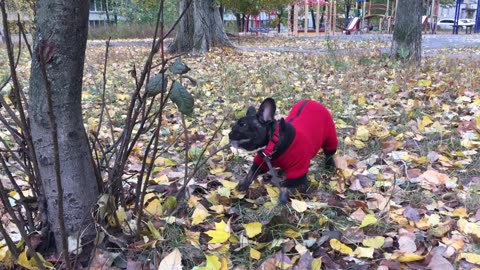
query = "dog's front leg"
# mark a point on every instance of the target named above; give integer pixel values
(329, 159)
(283, 195)
(252, 174)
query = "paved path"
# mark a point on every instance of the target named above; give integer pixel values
(430, 43)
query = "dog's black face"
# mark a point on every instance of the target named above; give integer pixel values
(251, 132)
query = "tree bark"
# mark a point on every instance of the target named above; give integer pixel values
(62, 27)
(407, 34)
(200, 28)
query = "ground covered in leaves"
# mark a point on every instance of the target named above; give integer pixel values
(406, 194)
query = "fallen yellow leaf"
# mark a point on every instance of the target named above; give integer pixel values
(406, 257)
(220, 234)
(340, 247)
(255, 254)
(199, 214)
(317, 264)
(368, 220)
(253, 229)
(375, 242)
(362, 252)
(470, 257)
(299, 206)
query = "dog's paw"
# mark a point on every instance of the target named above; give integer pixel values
(243, 185)
(330, 163)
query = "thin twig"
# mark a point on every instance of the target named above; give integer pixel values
(187, 145)
(56, 154)
(19, 222)
(20, 27)
(23, 199)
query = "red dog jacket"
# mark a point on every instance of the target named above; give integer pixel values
(314, 129)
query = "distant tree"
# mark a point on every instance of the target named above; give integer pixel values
(241, 8)
(407, 34)
(280, 6)
(200, 28)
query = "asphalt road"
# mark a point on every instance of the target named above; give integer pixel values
(430, 43)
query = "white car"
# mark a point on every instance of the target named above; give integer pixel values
(448, 23)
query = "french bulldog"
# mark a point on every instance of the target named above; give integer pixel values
(289, 143)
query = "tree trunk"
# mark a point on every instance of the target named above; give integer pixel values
(62, 27)
(238, 16)
(200, 29)
(407, 34)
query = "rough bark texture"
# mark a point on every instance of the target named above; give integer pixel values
(200, 29)
(63, 24)
(407, 34)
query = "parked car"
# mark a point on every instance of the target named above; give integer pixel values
(445, 24)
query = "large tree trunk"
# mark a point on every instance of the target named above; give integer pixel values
(62, 27)
(200, 29)
(407, 34)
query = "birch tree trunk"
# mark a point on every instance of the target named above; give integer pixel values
(60, 39)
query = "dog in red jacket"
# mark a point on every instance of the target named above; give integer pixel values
(289, 143)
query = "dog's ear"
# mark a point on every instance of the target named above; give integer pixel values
(251, 111)
(266, 112)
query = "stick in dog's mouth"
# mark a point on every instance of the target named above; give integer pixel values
(236, 143)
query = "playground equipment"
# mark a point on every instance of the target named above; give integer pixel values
(329, 17)
(261, 23)
(384, 12)
(457, 18)
(477, 19)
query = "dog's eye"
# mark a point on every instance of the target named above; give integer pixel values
(242, 124)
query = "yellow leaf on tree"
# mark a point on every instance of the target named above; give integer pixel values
(221, 233)
(470, 257)
(406, 257)
(253, 229)
(362, 252)
(375, 242)
(299, 206)
(199, 215)
(368, 220)
(255, 254)
(340, 247)
(317, 264)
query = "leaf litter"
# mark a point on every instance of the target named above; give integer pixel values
(406, 193)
